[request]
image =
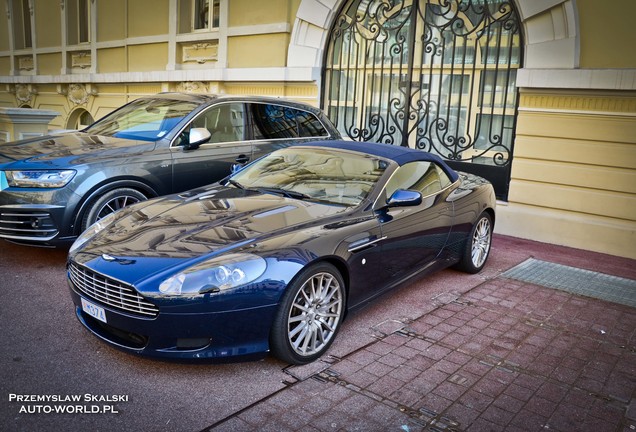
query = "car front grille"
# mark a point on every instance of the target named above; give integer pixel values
(110, 292)
(31, 225)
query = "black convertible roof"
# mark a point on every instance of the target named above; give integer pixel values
(398, 154)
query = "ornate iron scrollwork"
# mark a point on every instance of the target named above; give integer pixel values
(438, 75)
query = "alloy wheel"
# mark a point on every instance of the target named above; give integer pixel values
(482, 238)
(117, 203)
(315, 314)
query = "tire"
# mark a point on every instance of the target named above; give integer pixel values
(110, 202)
(477, 246)
(309, 315)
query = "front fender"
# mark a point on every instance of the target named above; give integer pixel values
(104, 187)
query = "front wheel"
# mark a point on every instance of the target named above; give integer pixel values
(309, 315)
(477, 246)
(110, 202)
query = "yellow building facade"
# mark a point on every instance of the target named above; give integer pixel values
(573, 174)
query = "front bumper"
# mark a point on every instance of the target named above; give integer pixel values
(37, 216)
(30, 223)
(215, 336)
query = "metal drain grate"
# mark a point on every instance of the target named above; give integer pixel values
(575, 280)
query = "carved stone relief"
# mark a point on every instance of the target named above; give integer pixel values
(192, 87)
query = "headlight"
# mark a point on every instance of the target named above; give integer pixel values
(39, 178)
(92, 230)
(217, 274)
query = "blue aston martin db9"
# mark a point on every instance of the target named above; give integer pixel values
(271, 258)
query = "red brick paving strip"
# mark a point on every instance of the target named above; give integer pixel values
(506, 356)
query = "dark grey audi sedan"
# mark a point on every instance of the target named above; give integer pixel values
(54, 187)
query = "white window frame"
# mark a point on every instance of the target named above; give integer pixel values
(22, 25)
(74, 22)
(213, 15)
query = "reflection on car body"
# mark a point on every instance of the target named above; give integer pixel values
(271, 258)
(52, 188)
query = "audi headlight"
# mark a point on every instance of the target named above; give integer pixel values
(215, 275)
(39, 178)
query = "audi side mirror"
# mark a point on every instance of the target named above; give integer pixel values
(197, 137)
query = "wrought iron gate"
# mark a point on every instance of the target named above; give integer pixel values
(438, 75)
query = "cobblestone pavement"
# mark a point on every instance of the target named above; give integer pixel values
(504, 356)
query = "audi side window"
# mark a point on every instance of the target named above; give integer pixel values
(309, 126)
(277, 122)
(273, 122)
(225, 123)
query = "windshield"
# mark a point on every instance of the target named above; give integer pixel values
(143, 119)
(328, 175)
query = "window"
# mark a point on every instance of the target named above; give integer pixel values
(439, 76)
(498, 90)
(80, 119)
(78, 18)
(317, 174)
(494, 132)
(84, 120)
(21, 24)
(309, 125)
(225, 123)
(278, 122)
(425, 177)
(143, 119)
(198, 15)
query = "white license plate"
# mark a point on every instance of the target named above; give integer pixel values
(94, 310)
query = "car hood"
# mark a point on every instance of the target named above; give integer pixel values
(179, 231)
(67, 149)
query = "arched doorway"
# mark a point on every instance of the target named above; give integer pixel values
(79, 119)
(438, 75)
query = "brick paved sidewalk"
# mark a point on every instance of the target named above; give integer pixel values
(506, 355)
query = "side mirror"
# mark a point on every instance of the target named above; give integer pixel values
(404, 198)
(198, 136)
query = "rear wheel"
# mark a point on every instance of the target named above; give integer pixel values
(110, 202)
(309, 315)
(478, 245)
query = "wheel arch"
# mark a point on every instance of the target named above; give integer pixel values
(491, 213)
(105, 187)
(342, 268)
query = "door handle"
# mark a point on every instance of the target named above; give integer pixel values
(242, 159)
